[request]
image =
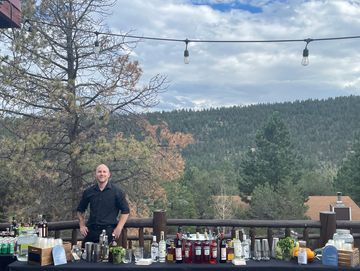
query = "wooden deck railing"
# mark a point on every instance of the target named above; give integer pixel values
(318, 232)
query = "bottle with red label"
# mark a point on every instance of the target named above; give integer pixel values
(206, 249)
(223, 246)
(188, 255)
(198, 250)
(178, 249)
(213, 248)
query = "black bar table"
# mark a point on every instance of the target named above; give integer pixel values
(5, 260)
(272, 265)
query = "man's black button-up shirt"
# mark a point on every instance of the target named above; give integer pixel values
(104, 205)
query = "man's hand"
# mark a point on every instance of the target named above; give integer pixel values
(84, 230)
(117, 232)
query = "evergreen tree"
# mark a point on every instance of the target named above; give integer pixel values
(348, 177)
(273, 159)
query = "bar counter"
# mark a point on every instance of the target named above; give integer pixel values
(272, 265)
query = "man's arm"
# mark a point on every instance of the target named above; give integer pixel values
(120, 225)
(83, 229)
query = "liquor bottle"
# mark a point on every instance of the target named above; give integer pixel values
(111, 245)
(237, 246)
(14, 228)
(105, 249)
(154, 250)
(246, 247)
(183, 241)
(230, 251)
(39, 226)
(206, 248)
(213, 248)
(44, 229)
(101, 237)
(223, 246)
(198, 249)
(162, 248)
(302, 256)
(170, 256)
(178, 249)
(188, 250)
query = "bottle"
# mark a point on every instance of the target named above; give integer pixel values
(188, 255)
(178, 249)
(111, 245)
(39, 226)
(162, 248)
(170, 256)
(14, 228)
(105, 249)
(230, 251)
(154, 250)
(44, 229)
(206, 249)
(198, 249)
(237, 246)
(302, 256)
(247, 246)
(213, 248)
(223, 246)
(101, 237)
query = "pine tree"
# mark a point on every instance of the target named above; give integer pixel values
(272, 160)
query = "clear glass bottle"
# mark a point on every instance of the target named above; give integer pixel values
(162, 248)
(237, 246)
(302, 254)
(154, 250)
(26, 238)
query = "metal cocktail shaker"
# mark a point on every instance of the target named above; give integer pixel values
(88, 251)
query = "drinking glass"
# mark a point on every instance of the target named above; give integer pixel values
(257, 250)
(138, 253)
(273, 247)
(265, 249)
(128, 256)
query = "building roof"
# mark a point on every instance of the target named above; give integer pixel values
(318, 204)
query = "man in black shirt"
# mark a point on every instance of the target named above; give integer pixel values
(106, 200)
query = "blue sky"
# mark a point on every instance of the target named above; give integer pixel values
(227, 74)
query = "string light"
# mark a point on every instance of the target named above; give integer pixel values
(187, 41)
(305, 59)
(186, 52)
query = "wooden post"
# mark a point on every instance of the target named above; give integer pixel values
(74, 237)
(124, 238)
(270, 236)
(159, 223)
(328, 226)
(141, 237)
(252, 234)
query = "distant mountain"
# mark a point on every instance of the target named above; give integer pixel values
(322, 130)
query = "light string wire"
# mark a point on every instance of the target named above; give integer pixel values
(308, 40)
(188, 41)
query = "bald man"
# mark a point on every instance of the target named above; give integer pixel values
(106, 201)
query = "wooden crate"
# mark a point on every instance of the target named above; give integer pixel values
(349, 258)
(43, 256)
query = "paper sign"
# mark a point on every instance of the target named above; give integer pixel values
(59, 256)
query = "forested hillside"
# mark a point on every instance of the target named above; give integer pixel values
(322, 130)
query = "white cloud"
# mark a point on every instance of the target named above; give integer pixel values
(223, 74)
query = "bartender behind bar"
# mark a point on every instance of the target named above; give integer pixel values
(106, 200)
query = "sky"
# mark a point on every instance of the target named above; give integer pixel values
(223, 74)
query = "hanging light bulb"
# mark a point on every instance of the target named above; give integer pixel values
(305, 59)
(97, 44)
(186, 53)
